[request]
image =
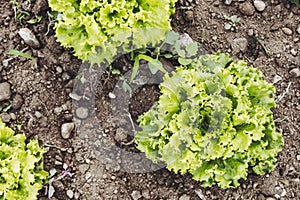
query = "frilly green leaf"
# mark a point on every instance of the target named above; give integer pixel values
(213, 120)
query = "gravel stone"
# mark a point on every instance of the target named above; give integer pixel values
(185, 197)
(228, 2)
(121, 135)
(111, 95)
(295, 72)
(5, 92)
(294, 52)
(5, 117)
(276, 79)
(70, 194)
(239, 45)
(136, 195)
(298, 29)
(38, 114)
(17, 102)
(29, 38)
(287, 31)
(259, 5)
(66, 130)
(146, 194)
(75, 96)
(246, 8)
(82, 112)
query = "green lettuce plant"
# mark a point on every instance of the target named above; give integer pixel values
(21, 170)
(213, 120)
(97, 29)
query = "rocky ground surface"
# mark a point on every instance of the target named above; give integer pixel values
(39, 96)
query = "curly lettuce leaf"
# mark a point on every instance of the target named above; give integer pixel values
(21, 175)
(214, 121)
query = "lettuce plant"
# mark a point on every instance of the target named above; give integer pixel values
(110, 24)
(21, 174)
(213, 120)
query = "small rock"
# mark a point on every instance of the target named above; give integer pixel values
(270, 198)
(136, 195)
(111, 95)
(82, 112)
(185, 197)
(239, 45)
(56, 162)
(13, 116)
(5, 117)
(66, 130)
(17, 101)
(228, 2)
(38, 114)
(298, 29)
(287, 31)
(88, 175)
(276, 79)
(5, 92)
(246, 8)
(121, 135)
(59, 70)
(70, 194)
(250, 32)
(146, 194)
(259, 5)
(295, 72)
(75, 96)
(294, 52)
(58, 110)
(200, 194)
(29, 38)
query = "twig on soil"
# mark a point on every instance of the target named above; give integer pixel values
(53, 146)
(280, 97)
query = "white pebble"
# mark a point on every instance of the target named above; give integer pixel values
(259, 5)
(70, 194)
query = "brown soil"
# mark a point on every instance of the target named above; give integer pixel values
(268, 39)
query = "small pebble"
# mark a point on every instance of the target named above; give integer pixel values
(75, 96)
(111, 95)
(5, 117)
(287, 31)
(246, 8)
(185, 197)
(70, 194)
(5, 92)
(146, 194)
(59, 70)
(298, 29)
(259, 5)
(13, 116)
(228, 2)
(38, 114)
(295, 72)
(66, 130)
(82, 112)
(276, 79)
(294, 52)
(88, 175)
(29, 38)
(136, 195)
(17, 102)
